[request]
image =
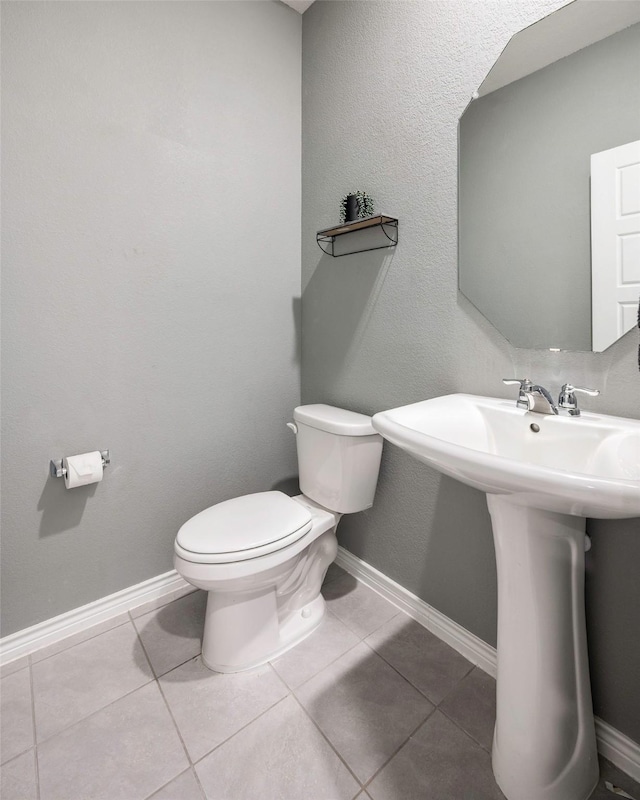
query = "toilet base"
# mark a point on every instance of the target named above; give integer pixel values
(300, 624)
(259, 608)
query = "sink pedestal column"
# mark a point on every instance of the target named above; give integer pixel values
(544, 746)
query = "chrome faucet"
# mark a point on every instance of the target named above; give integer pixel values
(567, 400)
(532, 397)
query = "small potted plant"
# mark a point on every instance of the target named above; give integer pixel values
(356, 205)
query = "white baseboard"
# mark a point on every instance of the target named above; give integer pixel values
(466, 643)
(57, 628)
(612, 744)
(618, 748)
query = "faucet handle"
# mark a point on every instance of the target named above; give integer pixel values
(567, 398)
(524, 383)
(525, 386)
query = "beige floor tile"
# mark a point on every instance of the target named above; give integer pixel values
(184, 787)
(159, 602)
(289, 760)
(77, 638)
(14, 666)
(426, 661)
(472, 706)
(253, 739)
(333, 573)
(364, 707)
(73, 684)
(360, 608)
(18, 778)
(16, 711)
(124, 752)
(440, 761)
(209, 707)
(317, 651)
(172, 634)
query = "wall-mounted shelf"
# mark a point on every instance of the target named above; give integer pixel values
(388, 225)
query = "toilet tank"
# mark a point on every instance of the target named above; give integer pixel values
(338, 457)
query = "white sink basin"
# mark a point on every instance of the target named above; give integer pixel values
(588, 466)
(543, 474)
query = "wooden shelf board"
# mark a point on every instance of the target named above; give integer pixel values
(357, 225)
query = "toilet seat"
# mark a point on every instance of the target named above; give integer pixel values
(243, 528)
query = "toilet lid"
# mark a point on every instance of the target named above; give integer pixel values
(245, 527)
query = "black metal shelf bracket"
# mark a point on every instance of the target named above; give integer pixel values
(388, 225)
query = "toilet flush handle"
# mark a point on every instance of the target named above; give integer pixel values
(293, 426)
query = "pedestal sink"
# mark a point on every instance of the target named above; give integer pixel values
(543, 474)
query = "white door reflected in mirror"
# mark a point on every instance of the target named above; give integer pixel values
(615, 242)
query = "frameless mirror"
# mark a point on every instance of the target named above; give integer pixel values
(549, 181)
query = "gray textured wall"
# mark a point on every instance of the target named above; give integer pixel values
(151, 203)
(384, 84)
(525, 210)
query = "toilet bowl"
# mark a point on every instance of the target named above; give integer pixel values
(262, 557)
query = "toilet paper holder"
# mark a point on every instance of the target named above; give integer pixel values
(56, 470)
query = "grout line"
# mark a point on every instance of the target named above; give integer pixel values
(436, 706)
(315, 674)
(397, 671)
(466, 733)
(175, 725)
(472, 666)
(363, 640)
(177, 666)
(168, 707)
(181, 664)
(398, 612)
(77, 620)
(200, 786)
(157, 607)
(377, 628)
(233, 735)
(164, 785)
(328, 741)
(93, 713)
(457, 724)
(463, 678)
(71, 646)
(4, 667)
(33, 722)
(290, 692)
(470, 646)
(348, 627)
(144, 649)
(17, 755)
(417, 688)
(157, 682)
(157, 674)
(395, 752)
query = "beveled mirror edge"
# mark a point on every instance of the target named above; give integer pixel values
(620, 22)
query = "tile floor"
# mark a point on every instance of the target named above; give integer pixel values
(371, 706)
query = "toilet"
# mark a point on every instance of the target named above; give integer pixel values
(262, 557)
